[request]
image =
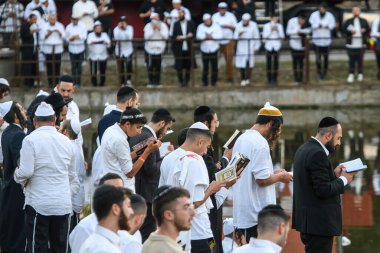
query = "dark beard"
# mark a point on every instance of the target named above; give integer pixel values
(329, 146)
(123, 221)
(98, 34)
(322, 14)
(160, 133)
(182, 18)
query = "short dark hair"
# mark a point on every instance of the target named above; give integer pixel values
(66, 125)
(133, 116)
(109, 176)
(107, 195)
(14, 112)
(138, 204)
(264, 119)
(45, 118)
(193, 133)
(32, 15)
(164, 198)
(204, 113)
(162, 114)
(274, 130)
(4, 88)
(125, 93)
(66, 79)
(270, 217)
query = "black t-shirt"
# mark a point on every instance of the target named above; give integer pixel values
(106, 20)
(158, 7)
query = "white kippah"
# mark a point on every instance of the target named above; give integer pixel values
(222, 5)
(5, 108)
(42, 93)
(199, 125)
(44, 110)
(228, 226)
(246, 16)
(4, 81)
(206, 16)
(154, 15)
(97, 22)
(176, 1)
(75, 125)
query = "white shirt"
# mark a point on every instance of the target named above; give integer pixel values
(78, 45)
(209, 46)
(2, 128)
(82, 231)
(322, 35)
(227, 19)
(356, 41)
(89, 7)
(102, 241)
(55, 40)
(257, 245)
(273, 38)
(167, 166)
(116, 154)
(47, 171)
(97, 46)
(292, 30)
(73, 113)
(248, 197)
(129, 243)
(77, 199)
(123, 39)
(174, 14)
(155, 39)
(248, 41)
(229, 245)
(29, 8)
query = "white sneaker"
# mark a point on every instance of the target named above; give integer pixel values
(247, 82)
(360, 77)
(350, 78)
(243, 83)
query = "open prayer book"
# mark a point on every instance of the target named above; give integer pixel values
(234, 168)
(354, 165)
(141, 146)
(231, 141)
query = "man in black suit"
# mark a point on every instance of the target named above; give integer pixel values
(28, 36)
(317, 213)
(146, 180)
(208, 116)
(12, 235)
(183, 32)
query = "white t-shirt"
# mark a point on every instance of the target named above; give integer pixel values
(229, 245)
(116, 154)
(257, 245)
(248, 197)
(167, 166)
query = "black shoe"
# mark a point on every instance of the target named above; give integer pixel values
(204, 84)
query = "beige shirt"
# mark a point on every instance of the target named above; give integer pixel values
(160, 244)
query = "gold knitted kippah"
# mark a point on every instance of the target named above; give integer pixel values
(269, 110)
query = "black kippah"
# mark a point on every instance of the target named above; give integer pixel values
(327, 122)
(66, 79)
(182, 136)
(203, 109)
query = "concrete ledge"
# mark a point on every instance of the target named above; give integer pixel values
(89, 99)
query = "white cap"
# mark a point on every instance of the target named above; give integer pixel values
(44, 110)
(199, 125)
(97, 22)
(75, 125)
(154, 15)
(4, 81)
(228, 226)
(246, 16)
(222, 5)
(176, 1)
(206, 16)
(5, 108)
(42, 93)
(269, 110)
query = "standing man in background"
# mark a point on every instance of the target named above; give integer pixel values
(317, 212)
(322, 23)
(87, 11)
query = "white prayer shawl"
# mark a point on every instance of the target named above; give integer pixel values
(248, 41)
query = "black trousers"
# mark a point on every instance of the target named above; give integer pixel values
(298, 57)
(42, 231)
(94, 66)
(355, 56)
(272, 65)
(249, 232)
(53, 68)
(153, 63)
(377, 53)
(210, 59)
(183, 63)
(202, 246)
(322, 59)
(149, 224)
(317, 244)
(28, 67)
(76, 67)
(124, 67)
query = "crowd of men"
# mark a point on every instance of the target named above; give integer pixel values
(148, 199)
(231, 31)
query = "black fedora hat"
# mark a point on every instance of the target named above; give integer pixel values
(57, 101)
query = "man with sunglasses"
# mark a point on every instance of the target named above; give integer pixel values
(174, 213)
